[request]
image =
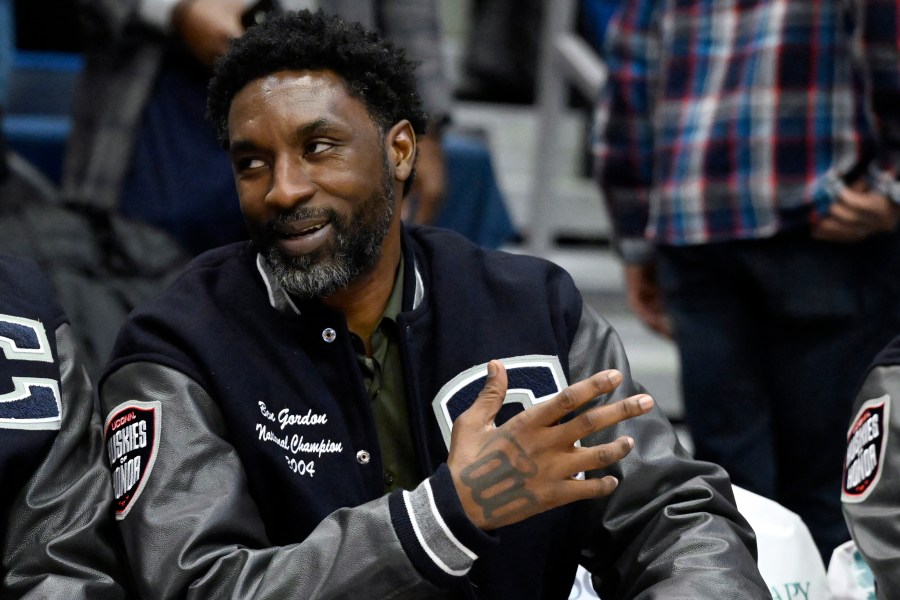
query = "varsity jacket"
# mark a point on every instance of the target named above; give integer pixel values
(57, 532)
(871, 486)
(246, 460)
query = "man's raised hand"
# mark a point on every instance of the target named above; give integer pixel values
(507, 474)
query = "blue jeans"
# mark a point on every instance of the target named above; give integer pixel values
(774, 337)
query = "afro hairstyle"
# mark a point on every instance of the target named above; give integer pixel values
(376, 72)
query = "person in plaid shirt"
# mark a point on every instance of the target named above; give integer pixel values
(749, 154)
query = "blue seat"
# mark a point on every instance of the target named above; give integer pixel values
(38, 105)
(7, 46)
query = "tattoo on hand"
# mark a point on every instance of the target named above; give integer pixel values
(497, 481)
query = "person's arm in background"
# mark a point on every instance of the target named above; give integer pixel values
(870, 492)
(671, 529)
(125, 43)
(416, 26)
(205, 26)
(623, 139)
(106, 22)
(61, 540)
(871, 204)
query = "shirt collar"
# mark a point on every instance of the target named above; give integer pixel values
(385, 327)
(395, 300)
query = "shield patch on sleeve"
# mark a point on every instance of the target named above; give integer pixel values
(132, 439)
(866, 443)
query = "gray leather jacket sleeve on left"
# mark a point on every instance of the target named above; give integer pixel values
(61, 540)
(196, 532)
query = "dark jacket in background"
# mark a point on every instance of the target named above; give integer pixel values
(57, 533)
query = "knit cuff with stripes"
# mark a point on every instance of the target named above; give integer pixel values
(440, 540)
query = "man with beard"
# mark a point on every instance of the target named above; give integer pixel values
(351, 407)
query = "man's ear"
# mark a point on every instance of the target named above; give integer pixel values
(401, 149)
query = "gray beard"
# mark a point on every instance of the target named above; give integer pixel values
(358, 245)
(301, 277)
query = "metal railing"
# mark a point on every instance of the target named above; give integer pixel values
(565, 59)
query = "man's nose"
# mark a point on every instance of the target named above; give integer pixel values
(291, 184)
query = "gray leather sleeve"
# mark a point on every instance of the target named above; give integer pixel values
(195, 532)
(62, 541)
(875, 522)
(671, 529)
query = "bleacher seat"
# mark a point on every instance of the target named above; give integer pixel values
(36, 123)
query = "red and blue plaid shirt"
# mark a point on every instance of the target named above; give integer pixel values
(737, 119)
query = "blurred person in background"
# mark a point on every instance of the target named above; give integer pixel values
(57, 533)
(749, 153)
(500, 52)
(140, 134)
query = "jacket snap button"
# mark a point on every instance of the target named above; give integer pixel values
(362, 457)
(329, 335)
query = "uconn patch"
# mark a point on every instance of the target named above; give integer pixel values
(132, 440)
(34, 401)
(531, 380)
(866, 443)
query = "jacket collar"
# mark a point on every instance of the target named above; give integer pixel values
(279, 299)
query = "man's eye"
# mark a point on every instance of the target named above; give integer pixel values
(245, 164)
(317, 147)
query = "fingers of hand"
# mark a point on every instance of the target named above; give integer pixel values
(490, 399)
(846, 211)
(860, 185)
(870, 210)
(573, 490)
(600, 417)
(833, 230)
(599, 457)
(575, 396)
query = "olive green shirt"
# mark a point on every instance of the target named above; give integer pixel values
(383, 377)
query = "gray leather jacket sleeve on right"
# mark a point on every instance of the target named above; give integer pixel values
(195, 532)
(671, 529)
(874, 517)
(61, 541)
